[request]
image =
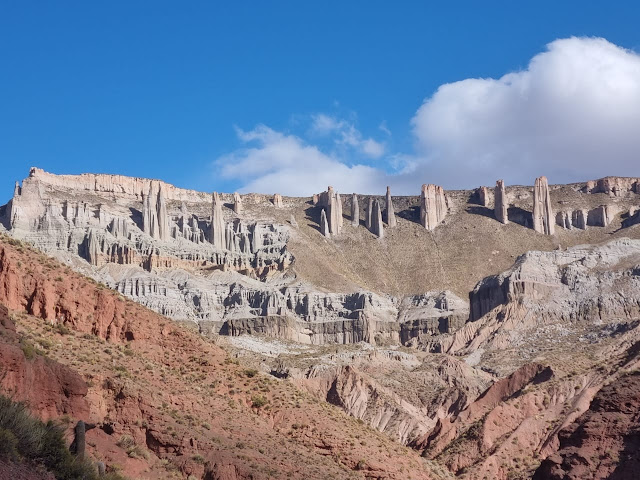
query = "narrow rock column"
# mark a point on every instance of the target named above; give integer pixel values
(579, 219)
(277, 200)
(483, 196)
(355, 211)
(16, 190)
(433, 206)
(217, 222)
(367, 218)
(335, 212)
(163, 219)
(501, 203)
(543, 218)
(391, 216)
(377, 227)
(237, 203)
(324, 226)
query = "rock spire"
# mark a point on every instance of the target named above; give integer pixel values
(355, 211)
(377, 228)
(433, 206)
(332, 203)
(237, 203)
(543, 218)
(277, 200)
(155, 221)
(501, 203)
(391, 216)
(324, 226)
(217, 222)
(367, 216)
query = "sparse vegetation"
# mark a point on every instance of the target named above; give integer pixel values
(26, 438)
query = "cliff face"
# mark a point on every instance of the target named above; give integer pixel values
(604, 442)
(256, 269)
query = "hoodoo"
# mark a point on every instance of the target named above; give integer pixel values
(543, 218)
(355, 211)
(433, 206)
(217, 222)
(501, 203)
(377, 227)
(237, 203)
(391, 216)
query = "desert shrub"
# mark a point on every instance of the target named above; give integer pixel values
(250, 372)
(24, 437)
(258, 401)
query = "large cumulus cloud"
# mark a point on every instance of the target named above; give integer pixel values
(573, 114)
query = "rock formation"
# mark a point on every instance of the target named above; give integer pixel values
(433, 206)
(377, 227)
(483, 196)
(391, 216)
(501, 203)
(613, 186)
(543, 218)
(237, 203)
(324, 226)
(355, 211)
(277, 200)
(292, 221)
(331, 201)
(218, 227)
(368, 214)
(155, 220)
(601, 216)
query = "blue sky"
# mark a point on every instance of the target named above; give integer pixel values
(211, 96)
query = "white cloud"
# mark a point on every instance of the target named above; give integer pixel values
(573, 114)
(346, 134)
(286, 164)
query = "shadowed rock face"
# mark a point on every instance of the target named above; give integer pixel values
(605, 441)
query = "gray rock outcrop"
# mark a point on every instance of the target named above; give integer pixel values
(433, 206)
(501, 203)
(391, 216)
(218, 227)
(368, 214)
(355, 211)
(324, 225)
(377, 227)
(543, 218)
(237, 203)
(277, 201)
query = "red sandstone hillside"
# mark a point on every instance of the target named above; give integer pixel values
(166, 400)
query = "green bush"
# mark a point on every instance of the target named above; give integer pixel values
(24, 437)
(258, 401)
